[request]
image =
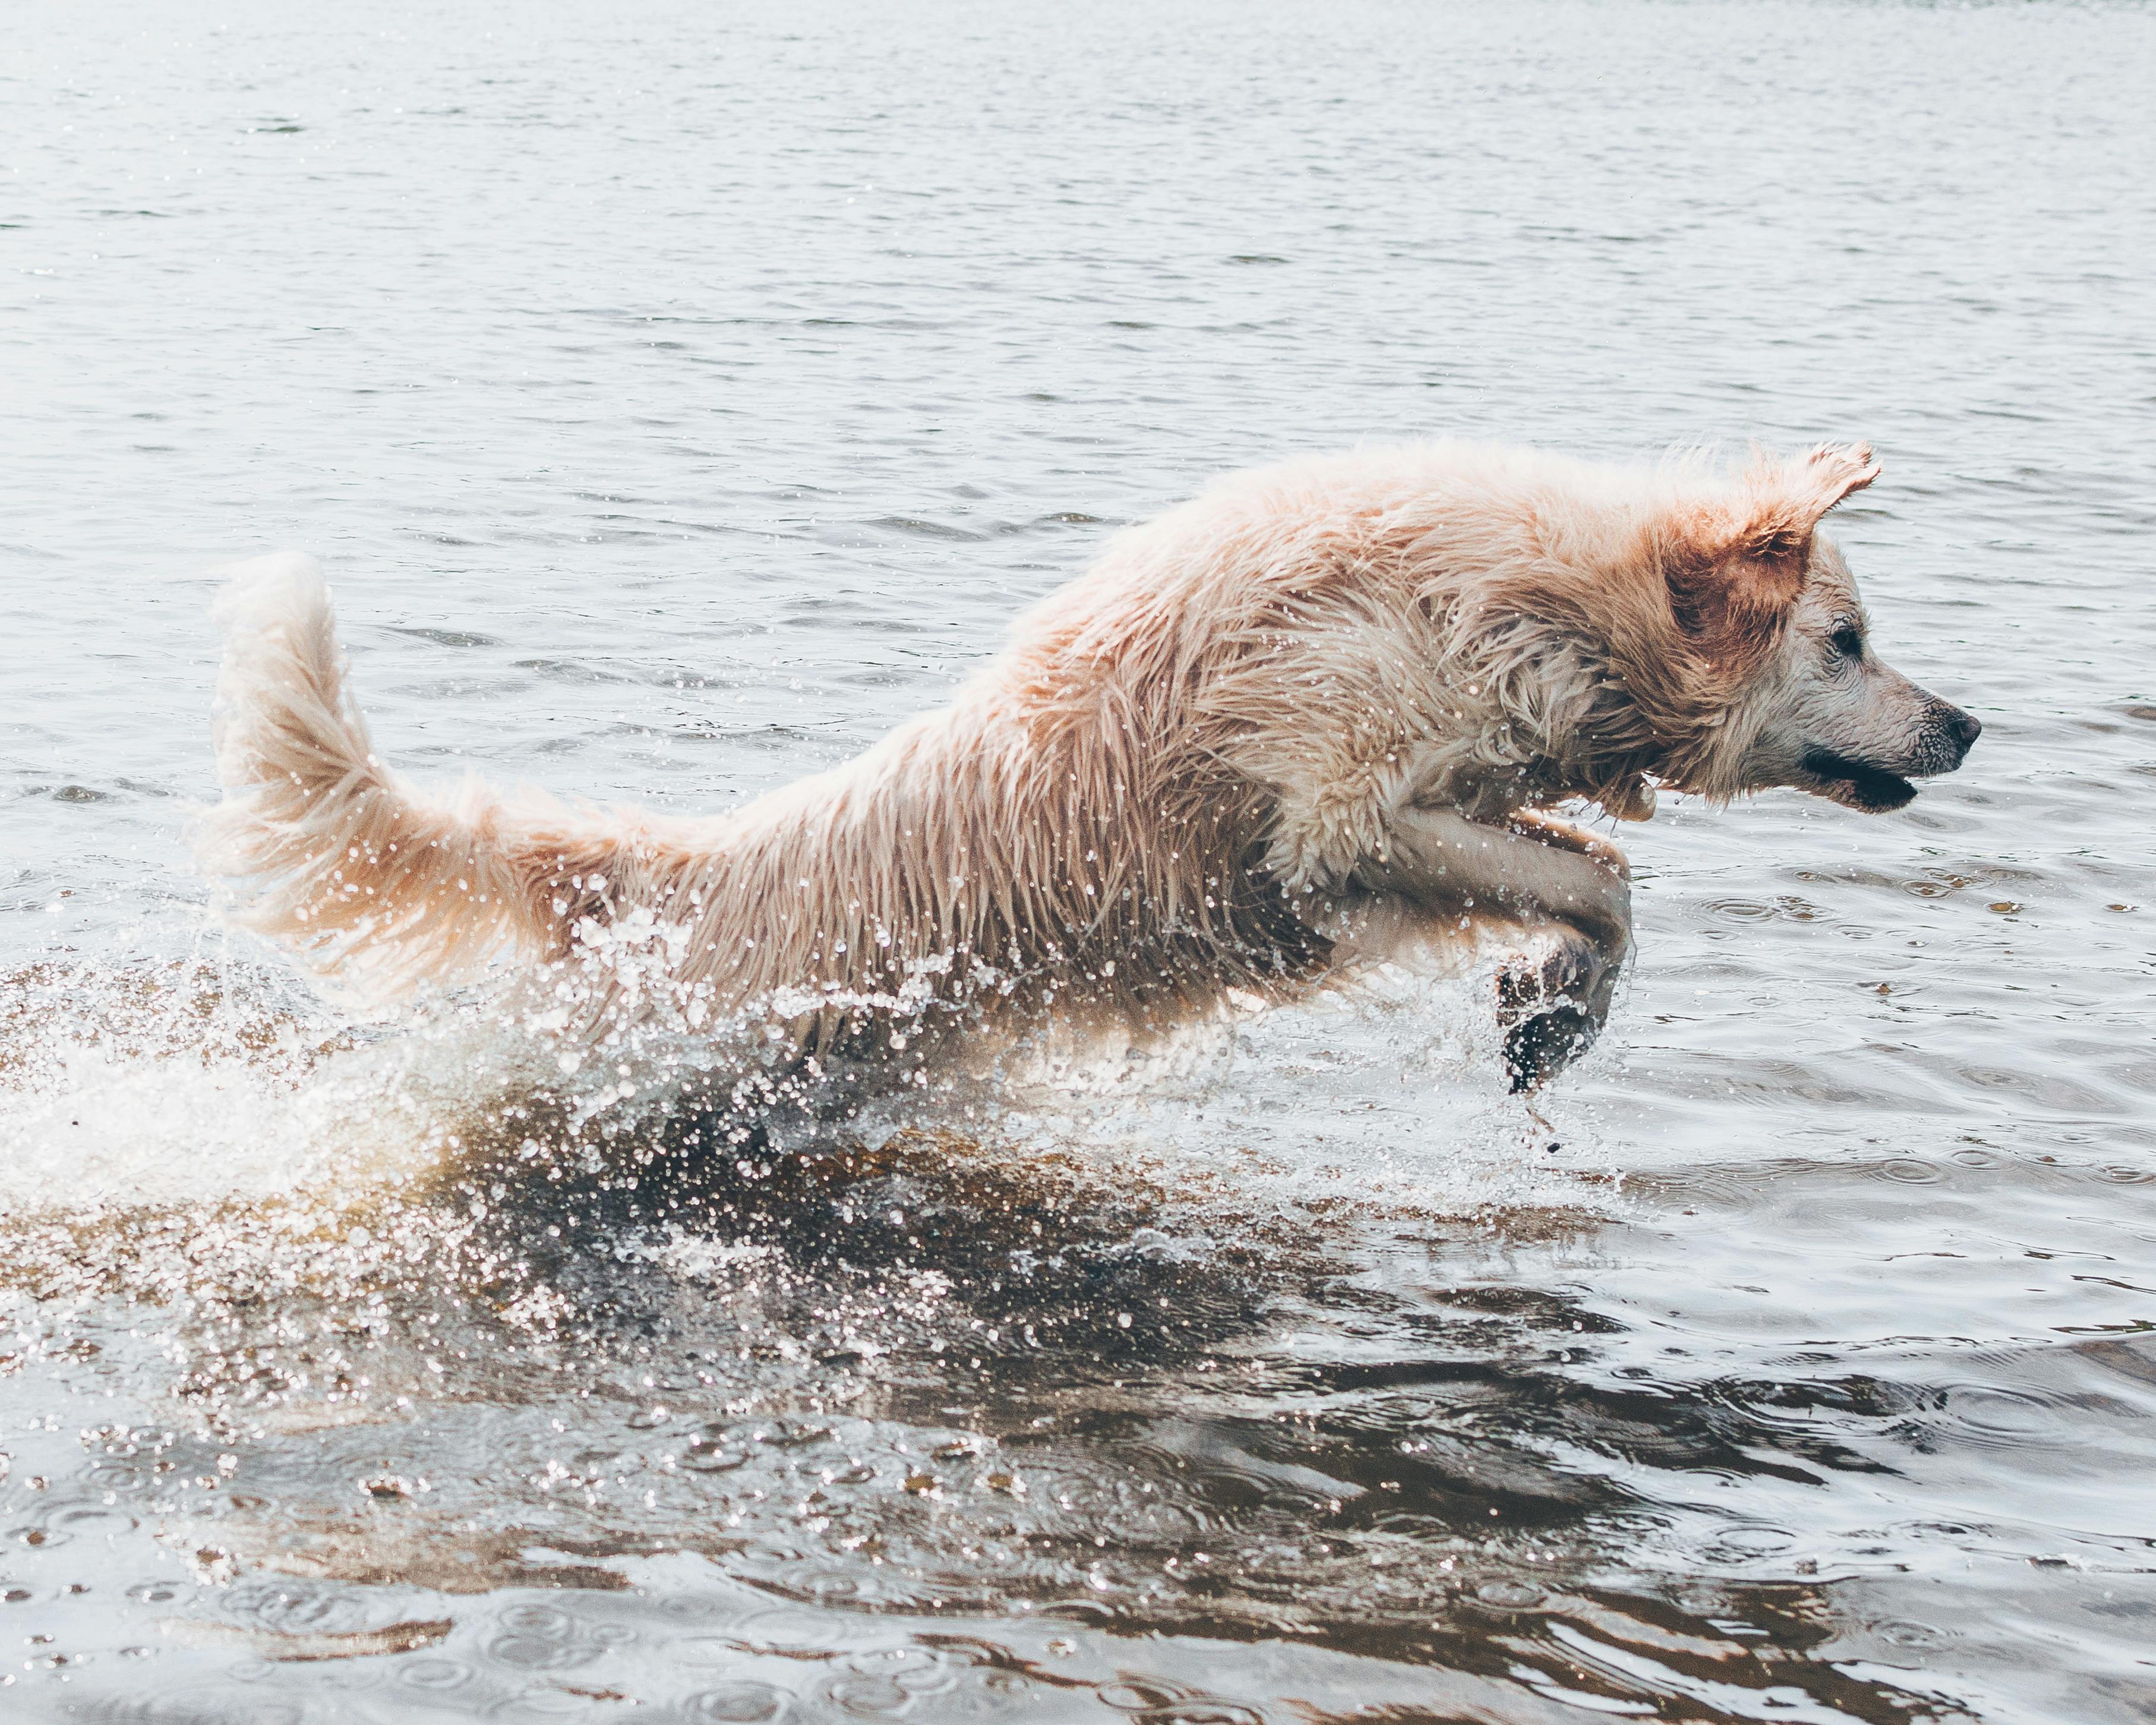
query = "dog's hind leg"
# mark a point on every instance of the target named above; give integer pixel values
(1544, 873)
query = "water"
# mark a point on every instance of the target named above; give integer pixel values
(679, 397)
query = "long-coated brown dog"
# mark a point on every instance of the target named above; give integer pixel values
(1344, 686)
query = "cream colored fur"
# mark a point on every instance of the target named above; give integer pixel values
(1348, 675)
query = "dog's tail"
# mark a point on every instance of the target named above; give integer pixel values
(374, 883)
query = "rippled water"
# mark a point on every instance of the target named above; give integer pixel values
(680, 396)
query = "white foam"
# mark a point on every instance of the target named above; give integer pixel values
(1386, 1094)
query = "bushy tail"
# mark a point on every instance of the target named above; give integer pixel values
(375, 884)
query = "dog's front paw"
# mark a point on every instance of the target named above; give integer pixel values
(1551, 1011)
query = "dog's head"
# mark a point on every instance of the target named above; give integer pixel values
(1761, 595)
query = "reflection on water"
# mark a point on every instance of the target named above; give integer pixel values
(875, 1416)
(678, 399)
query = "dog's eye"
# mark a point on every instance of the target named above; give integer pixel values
(1848, 641)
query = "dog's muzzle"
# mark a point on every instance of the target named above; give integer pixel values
(1948, 735)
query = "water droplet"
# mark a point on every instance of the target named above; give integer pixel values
(737, 1703)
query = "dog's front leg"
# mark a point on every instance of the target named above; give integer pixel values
(1548, 829)
(1538, 870)
(1545, 871)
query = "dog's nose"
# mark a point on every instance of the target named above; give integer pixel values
(1965, 730)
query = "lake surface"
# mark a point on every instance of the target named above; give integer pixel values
(678, 396)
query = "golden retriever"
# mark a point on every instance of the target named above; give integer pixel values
(1345, 684)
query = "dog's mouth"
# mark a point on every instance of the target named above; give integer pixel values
(1855, 784)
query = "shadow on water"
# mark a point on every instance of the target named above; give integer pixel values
(965, 1420)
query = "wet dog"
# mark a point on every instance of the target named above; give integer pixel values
(1345, 686)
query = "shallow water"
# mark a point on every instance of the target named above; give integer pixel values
(678, 398)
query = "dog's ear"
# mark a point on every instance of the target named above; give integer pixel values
(1784, 500)
(1734, 569)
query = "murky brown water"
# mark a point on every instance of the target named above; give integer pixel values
(679, 397)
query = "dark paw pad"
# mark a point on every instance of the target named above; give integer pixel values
(1543, 1044)
(1551, 1013)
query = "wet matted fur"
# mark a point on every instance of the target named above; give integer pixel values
(1346, 679)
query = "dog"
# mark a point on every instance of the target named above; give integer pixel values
(1349, 685)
